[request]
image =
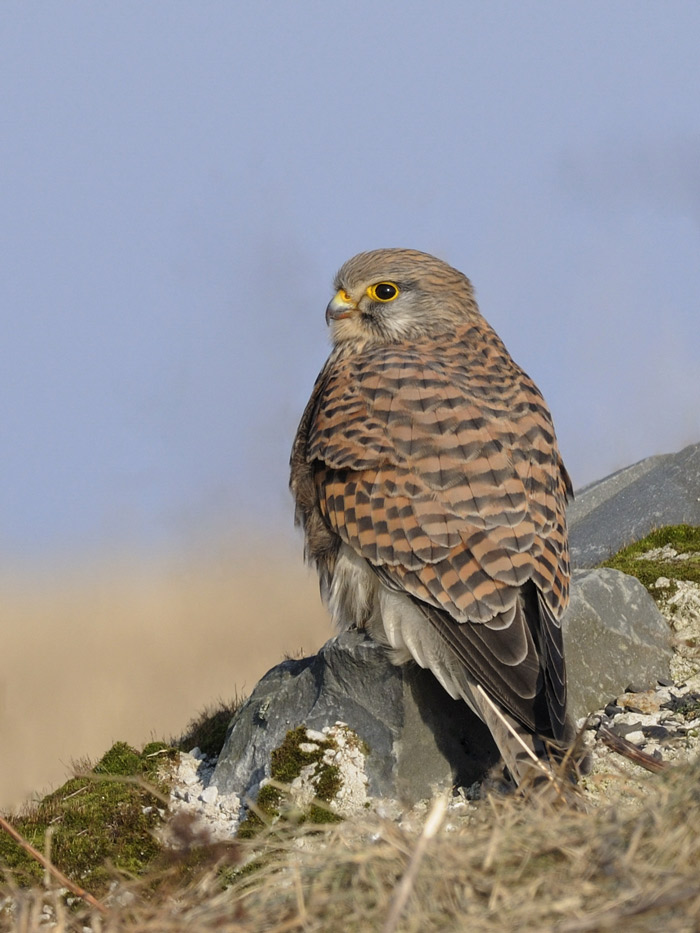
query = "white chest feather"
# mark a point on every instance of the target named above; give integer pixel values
(357, 597)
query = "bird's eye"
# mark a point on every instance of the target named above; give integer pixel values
(383, 291)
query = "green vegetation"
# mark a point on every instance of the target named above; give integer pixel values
(104, 818)
(286, 764)
(207, 731)
(688, 705)
(102, 824)
(685, 539)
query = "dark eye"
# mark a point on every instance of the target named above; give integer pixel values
(383, 291)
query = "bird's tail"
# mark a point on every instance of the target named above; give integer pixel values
(536, 765)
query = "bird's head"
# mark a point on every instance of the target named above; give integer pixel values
(393, 295)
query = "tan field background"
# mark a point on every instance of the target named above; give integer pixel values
(119, 649)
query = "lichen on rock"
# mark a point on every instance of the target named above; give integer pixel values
(315, 776)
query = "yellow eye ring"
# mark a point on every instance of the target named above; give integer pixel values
(383, 292)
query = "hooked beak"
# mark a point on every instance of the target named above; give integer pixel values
(340, 306)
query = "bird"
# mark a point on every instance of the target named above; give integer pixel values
(432, 495)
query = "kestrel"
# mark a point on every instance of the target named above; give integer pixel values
(432, 495)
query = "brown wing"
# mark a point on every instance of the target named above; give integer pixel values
(439, 465)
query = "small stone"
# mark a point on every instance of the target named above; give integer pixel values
(308, 747)
(658, 733)
(209, 794)
(315, 736)
(623, 729)
(664, 682)
(631, 720)
(387, 808)
(646, 701)
(612, 709)
(637, 738)
(667, 552)
(588, 722)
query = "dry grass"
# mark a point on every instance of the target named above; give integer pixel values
(511, 866)
(503, 865)
(126, 650)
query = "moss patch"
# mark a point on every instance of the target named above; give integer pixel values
(286, 764)
(94, 823)
(685, 539)
(687, 705)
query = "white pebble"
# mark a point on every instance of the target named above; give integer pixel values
(209, 794)
(316, 736)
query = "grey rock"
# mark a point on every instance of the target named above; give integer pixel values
(627, 505)
(418, 737)
(613, 635)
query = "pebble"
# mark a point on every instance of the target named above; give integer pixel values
(313, 735)
(647, 702)
(656, 733)
(209, 794)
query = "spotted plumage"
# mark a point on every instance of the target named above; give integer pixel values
(432, 494)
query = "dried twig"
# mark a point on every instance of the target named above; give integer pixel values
(529, 752)
(50, 867)
(629, 750)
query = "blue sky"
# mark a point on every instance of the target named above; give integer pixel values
(181, 180)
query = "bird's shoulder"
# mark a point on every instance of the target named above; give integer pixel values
(396, 403)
